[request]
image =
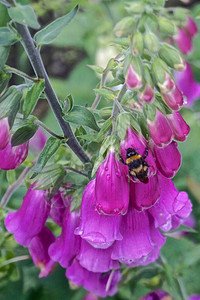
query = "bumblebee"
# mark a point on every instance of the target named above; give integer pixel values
(138, 167)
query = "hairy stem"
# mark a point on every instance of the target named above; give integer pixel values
(39, 123)
(98, 96)
(20, 73)
(14, 260)
(39, 69)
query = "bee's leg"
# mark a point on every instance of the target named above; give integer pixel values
(131, 178)
(146, 152)
(146, 164)
(121, 159)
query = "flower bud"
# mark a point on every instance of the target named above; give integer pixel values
(124, 27)
(137, 43)
(112, 188)
(166, 26)
(12, 157)
(147, 92)
(174, 98)
(133, 73)
(151, 42)
(180, 128)
(172, 57)
(168, 159)
(162, 75)
(38, 249)
(183, 41)
(4, 133)
(160, 130)
(190, 26)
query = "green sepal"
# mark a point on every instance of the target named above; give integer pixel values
(107, 94)
(80, 115)
(124, 121)
(149, 111)
(151, 42)
(161, 105)
(158, 70)
(167, 26)
(4, 80)
(172, 57)
(136, 7)
(105, 112)
(135, 62)
(137, 44)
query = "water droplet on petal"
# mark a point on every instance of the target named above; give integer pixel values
(108, 177)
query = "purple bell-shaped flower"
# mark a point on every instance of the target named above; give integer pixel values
(4, 133)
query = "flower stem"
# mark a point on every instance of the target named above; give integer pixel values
(39, 123)
(39, 69)
(14, 259)
(14, 187)
(20, 73)
(117, 100)
(75, 171)
(98, 96)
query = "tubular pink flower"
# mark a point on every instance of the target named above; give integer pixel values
(172, 208)
(160, 130)
(96, 260)
(190, 27)
(98, 230)
(4, 133)
(187, 84)
(174, 99)
(147, 95)
(67, 245)
(59, 205)
(144, 196)
(167, 85)
(93, 282)
(157, 295)
(38, 141)
(12, 157)
(184, 41)
(133, 80)
(194, 297)
(38, 249)
(180, 128)
(138, 142)
(137, 244)
(111, 187)
(168, 159)
(29, 220)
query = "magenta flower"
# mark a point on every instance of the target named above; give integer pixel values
(59, 205)
(179, 126)
(98, 230)
(142, 195)
(157, 295)
(67, 245)
(168, 159)
(38, 141)
(136, 140)
(172, 207)
(133, 79)
(194, 297)
(111, 187)
(96, 260)
(4, 133)
(147, 95)
(29, 220)
(167, 85)
(90, 296)
(184, 41)
(187, 84)
(174, 98)
(190, 27)
(38, 249)
(12, 157)
(160, 130)
(139, 241)
(93, 282)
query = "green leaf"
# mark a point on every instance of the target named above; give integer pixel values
(32, 97)
(75, 178)
(48, 177)
(111, 64)
(96, 69)
(82, 116)
(49, 149)
(104, 129)
(9, 99)
(24, 14)
(68, 104)
(13, 112)
(7, 37)
(4, 52)
(23, 134)
(107, 94)
(48, 34)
